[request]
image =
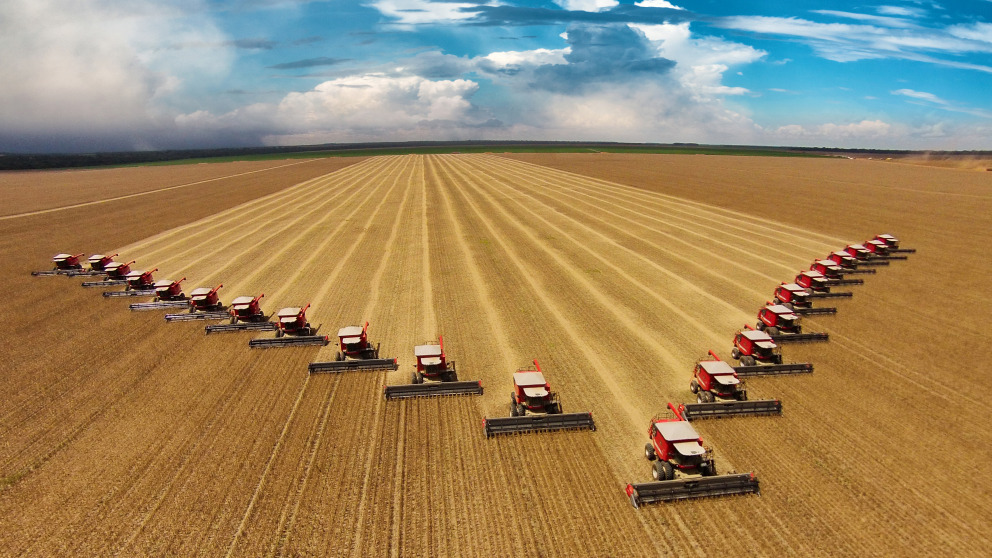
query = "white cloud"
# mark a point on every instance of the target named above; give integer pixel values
(700, 61)
(830, 132)
(979, 31)
(657, 4)
(879, 20)
(920, 95)
(413, 12)
(586, 5)
(519, 58)
(900, 11)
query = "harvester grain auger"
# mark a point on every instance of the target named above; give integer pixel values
(293, 330)
(760, 356)
(864, 257)
(893, 244)
(879, 249)
(817, 285)
(355, 352)
(849, 263)
(834, 273)
(168, 294)
(434, 375)
(139, 283)
(682, 467)
(98, 266)
(783, 325)
(797, 299)
(246, 315)
(63, 264)
(720, 393)
(532, 394)
(116, 275)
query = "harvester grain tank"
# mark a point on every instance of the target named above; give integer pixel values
(760, 356)
(534, 407)
(62, 264)
(782, 324)
(797, 299)
(355, 352)
(720, 393)
(434, 375)
(682, 467)
(293, 329)
(246, 315)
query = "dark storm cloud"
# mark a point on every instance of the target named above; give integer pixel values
(508, 16)
(309, 63)
(599, 54)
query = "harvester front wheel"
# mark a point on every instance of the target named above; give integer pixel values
(709, 469)
(513, 410)
(521, 410)
(748, 360)
(649, 452)
(662, 471)
(279, 333)
(234, 320)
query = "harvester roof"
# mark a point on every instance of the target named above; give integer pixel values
(200, 292)
(827, 263)
(532, 382)
(97, 257)
(429, 355)
(887, 237)
(793, 287)
(676, 431)
(163, 283)
(291, 312)
(350, 334)
(62, 256)
(857, 246)
(780, 310)
(135, 273)
(241, 301)
(841, 253)
(813, 274)
(760, 338)
(716, 368)
(114, 265)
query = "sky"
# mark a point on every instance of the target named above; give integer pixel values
(119, 75)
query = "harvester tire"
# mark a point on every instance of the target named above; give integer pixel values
(513, 410)
(521, 410)
(699, 398)
(760, 325)
(735, 353)
(772, 330)
(788, 305)
(649, 452)
(748, 360)
(662, 471)
(709, 469)
(777, 359)
(234, 320)
(279, 333)
(693, 386)
(708, 397)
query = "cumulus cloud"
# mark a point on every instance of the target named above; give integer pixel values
(415, 12)
(586, 5)
(657, 4)
(835, 133)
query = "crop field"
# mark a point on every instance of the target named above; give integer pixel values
(121, 434)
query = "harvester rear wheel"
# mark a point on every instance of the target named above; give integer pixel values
(735, 353)
(693, 386)
(760, 325)
(649, 452)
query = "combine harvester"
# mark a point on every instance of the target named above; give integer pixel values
(818, 286)
(879, 249)
(139, 283)
(760, 356)
(116, 275)
(98, 266)
(293, 330)
(204, 304)
(676, 450)
(849, 263)
(64, 265)
(864, 257)
(168, 294)
(834, 273)
(246, 315)
(720, 393)
(893, 244)
(797, 299)
(434, 376)
(355, 352)
(532, 394)
(783, 325)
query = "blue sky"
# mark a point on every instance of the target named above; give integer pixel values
(96, 75)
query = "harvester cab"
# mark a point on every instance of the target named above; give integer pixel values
(715, 380)
(167, 289)
(247, 309)
(792, 296)
(532, 394)
(843, 259)
(66, 262)
(353, 342)
(140, 280)
(293, 321)
(117, 271)
(676, 449)
(752, 347)
(776, 318)
(205, 299)
(99, 262)
(432, 364)
(813, 280)
(829, 269)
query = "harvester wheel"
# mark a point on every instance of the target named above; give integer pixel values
(709, 469)
(789, 305)
(693, 386)
(748, 360)
(416, 379)
(708, 397)
(234, 320)
(772, 330)
(777, 359)
(649, 452)
(735, 353)
(192, 308)
(662, 471)
(699, 398)
(513, 410)
(554, 409)
(279, 333)
(760, 325)
(521, 410)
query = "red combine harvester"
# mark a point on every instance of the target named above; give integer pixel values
(893, 244)
(116, 275)
(880, 249)
(246, 315)
(204, 304)
(676, 450)
(168, 294)
(818, 285)
(293, 329)
(850, 264)
(64, 264)
(98, 264)
(760, 356)
(532, 394)
(355, 352)
(834, 273)
(797, 299)
(783, 325)
(139, 283)
(720, 393)
(434, 375)
(864, 257)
